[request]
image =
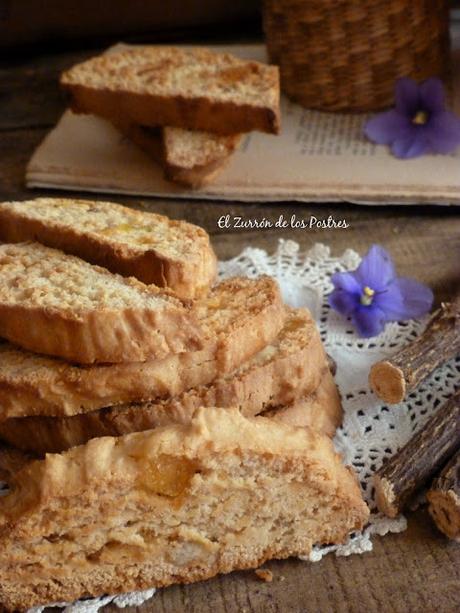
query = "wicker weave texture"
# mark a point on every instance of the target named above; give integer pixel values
(345, 55)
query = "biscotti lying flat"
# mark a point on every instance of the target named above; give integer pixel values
(188, 157)
(238, 318)
(150, 247)
(191, 88)
(321, 410)
(59, 305)
(178, 504)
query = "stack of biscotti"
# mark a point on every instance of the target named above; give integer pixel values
(187, 107)
(208, 416)
(59, 387)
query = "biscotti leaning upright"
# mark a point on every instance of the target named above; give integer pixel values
(173, 505)
(60, 305)
(185, 88)
(150, 247)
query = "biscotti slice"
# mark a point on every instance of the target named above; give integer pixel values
(39, 435)
(150, 247)
(59, 305)
(321, 410)
(291, 367)
(173, 505)
(190, 88)
(189, 157)
(238, 318)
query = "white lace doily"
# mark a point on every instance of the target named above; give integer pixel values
(371, 430)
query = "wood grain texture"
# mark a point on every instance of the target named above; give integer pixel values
(418, 570)
(419, 460)
(394, 378)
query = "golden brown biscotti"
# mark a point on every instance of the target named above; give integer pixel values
(150, 247)
(173, 505)
(238, 319)
(60, 305)
(11, 462)
(188, 157)
(192, 88)
(321, 410)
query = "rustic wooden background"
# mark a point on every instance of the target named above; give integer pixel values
(418, 570)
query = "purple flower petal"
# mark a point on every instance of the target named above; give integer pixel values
(417, 298)
(347, 281)
(407, 97)
(376, 269)
(368, 320)
(343, 302)
(443, 132)
(433, 98)
(384, 128)
(391, 302)
(412, 146)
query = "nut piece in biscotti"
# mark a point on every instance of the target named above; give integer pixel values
(238, 318)
(196, 89)
(189, 157)
(132, 243)
(59, 305)
(173, 505)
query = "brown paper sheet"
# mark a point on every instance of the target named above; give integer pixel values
(317, 157)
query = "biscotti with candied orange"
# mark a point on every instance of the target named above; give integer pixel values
(174, 505)
(188, 157)
(60, 305)
(190, 88)
(238, 318)
(150, 247)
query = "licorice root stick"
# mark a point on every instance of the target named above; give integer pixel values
(419, 460)
(444, 499)
(394, 378)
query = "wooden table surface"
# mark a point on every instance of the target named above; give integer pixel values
(418, 570)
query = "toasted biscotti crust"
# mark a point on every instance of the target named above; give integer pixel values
(150, 247)
(238, 319)
(176, 504)
(59, 305)
(321, 410)
(12, 461)
(194, 170)
(195, 89)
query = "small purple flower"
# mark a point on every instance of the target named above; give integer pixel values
(419, 123)
(372, 294)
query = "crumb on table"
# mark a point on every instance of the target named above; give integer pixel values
(264, 574)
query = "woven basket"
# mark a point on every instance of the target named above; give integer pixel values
(345, 55)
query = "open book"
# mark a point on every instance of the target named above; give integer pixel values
(317, 157)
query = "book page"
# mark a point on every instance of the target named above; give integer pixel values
(317, 157)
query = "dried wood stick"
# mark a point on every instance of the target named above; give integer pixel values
(394, 378)
(444, 499)
(419, 460)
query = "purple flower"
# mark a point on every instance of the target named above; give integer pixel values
(372, 294)
(419, 123)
